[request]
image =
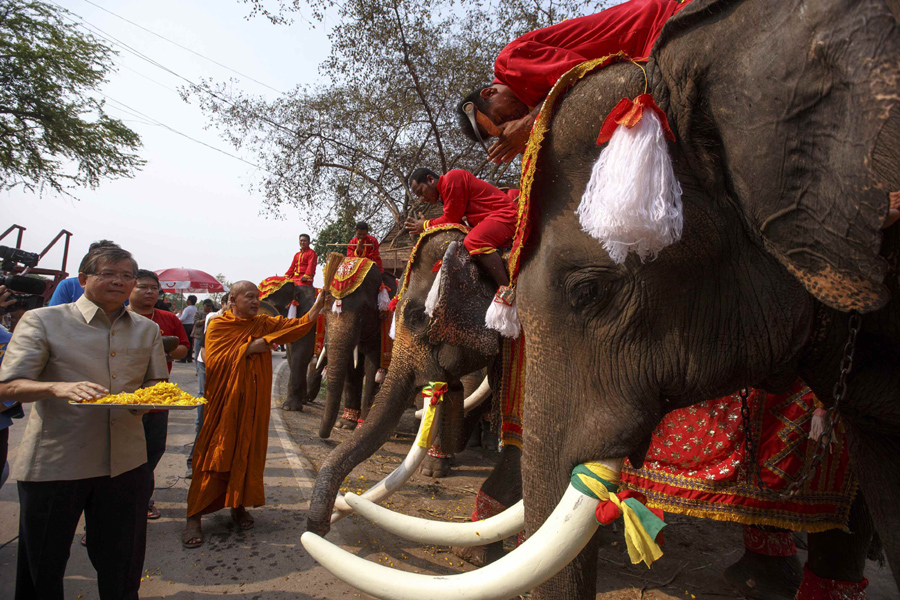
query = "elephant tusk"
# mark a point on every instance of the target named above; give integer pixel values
(396, 479)
(355, 356)
(473, 400)
(499, 527)
(559, 540)
(321, 358)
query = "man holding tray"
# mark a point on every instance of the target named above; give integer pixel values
(75, 459)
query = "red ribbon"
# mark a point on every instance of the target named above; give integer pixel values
(437, 266)
(629, 113)
(392, 305)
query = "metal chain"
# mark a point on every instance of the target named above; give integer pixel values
(824, 441)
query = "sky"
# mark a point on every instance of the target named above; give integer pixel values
(190, 206)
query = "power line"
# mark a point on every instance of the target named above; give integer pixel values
(136, 112)
(117, 42)
(183, 47)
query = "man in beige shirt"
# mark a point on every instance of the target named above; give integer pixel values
(83, 459)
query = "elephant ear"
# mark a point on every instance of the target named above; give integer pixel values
(463, 300)
(817, 208)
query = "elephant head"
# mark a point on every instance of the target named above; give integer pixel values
(354, 334)
(425, 349)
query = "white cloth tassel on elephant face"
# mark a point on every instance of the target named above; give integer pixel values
(384, 300)
(502, 315)
(336, 307)
(292, 311)
(433, 294)
(393, 331)
(632, 202)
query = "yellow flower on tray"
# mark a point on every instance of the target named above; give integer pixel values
(163, 393)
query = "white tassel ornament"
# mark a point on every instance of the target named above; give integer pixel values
(433, 295)
(502, 315)
(632, 202)
(384, 300)
(393, 325)
(292, 311)
(336, 307)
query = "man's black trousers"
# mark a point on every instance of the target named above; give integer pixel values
(115, 511)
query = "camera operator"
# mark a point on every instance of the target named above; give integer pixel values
(8, 409)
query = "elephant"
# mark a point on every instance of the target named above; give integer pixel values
(422, 353)
(785, 146)
(300, 352)
(353, 342)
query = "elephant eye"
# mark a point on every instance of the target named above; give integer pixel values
(589, 290)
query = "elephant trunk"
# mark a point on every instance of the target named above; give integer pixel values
(383, 418)
(343, 336)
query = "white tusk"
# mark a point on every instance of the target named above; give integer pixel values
(321, 358)
(396, 479)
(499, 527)
(476, 398)
(355, 356)
(559, 540)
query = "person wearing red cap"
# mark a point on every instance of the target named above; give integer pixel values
(528, 67)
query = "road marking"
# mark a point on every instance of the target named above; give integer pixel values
(304, 473)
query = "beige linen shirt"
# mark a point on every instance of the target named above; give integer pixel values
(77, 342)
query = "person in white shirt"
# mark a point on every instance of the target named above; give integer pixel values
(187, 319)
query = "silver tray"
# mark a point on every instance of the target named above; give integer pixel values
(138, 406)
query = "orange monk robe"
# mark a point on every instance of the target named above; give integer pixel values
(230, 453)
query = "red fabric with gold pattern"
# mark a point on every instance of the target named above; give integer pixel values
(270, 285)
(387, 343)
(321, 324)
(696, 464)
(512, 390)
(486, 507)
(813, 587)
(350, 276)
(769, 543)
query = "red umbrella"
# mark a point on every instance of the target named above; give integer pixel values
(188, 280)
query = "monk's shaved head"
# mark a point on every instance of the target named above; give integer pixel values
(244, 299)
(242, 286)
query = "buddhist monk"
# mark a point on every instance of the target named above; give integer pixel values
(230, 452)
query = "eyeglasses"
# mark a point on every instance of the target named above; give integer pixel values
(111, 275)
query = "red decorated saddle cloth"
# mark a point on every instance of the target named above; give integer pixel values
(697, 464)
(270, 285)
(350, 276)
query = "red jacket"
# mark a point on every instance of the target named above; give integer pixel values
(464, 195)
(532, 64)
(367, 247)
(303, 267)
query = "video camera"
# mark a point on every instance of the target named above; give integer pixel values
(29, 292)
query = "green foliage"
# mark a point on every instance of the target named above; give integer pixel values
(335, 232)
(386, 104)
(52, 133)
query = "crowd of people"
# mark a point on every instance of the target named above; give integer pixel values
(104, 333)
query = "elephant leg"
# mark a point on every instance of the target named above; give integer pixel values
(371, 362)
(500, 490)
(300, 354)
(877, 460)
(313, 380)
(837, 559)
(440, 456)
(769, 568)
(352, 398)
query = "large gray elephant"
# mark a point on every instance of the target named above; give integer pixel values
(300, 352)
(447, 348)
(787, 123)
(353, 342)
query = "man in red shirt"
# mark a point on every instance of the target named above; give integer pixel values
(365, 245)
(489, 211)
(142, 300)
(303, 267)
(528, 67)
